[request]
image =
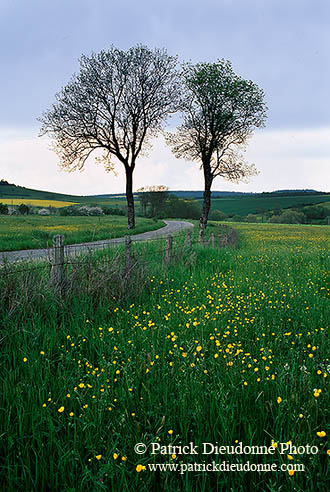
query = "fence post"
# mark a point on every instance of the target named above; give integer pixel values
(202, 236)
(168, 251)
(188, 239)
(232, 237)
(57, 270)
(222, 241)
(128, 255)
(212, 240)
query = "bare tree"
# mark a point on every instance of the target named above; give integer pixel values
(117, 102)
(220, 110)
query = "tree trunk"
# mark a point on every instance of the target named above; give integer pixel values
(129, 197)
(208, 178)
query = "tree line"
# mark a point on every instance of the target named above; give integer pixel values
(120, 100)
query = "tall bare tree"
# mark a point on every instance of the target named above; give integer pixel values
(220, 111)
(117, 102)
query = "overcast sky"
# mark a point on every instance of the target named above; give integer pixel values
(282, 46)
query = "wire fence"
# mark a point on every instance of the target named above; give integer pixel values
(98, 276)
(125, 254)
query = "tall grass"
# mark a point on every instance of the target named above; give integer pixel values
(223, 346)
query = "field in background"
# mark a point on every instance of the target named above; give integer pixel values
(236, 204)
(253, 204)
(34, 231)
(225, 346)
(36, 203)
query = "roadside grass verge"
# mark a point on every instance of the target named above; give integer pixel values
(17, 233)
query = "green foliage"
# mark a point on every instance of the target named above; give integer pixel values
(23, 209)
(291, 217)
(113, 211)
(3, 209)
(217, 215)
(179, 208)
(316, 212)
(251, 218)
(153, 199)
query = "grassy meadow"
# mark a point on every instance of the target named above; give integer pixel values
(224, 346)
(35, 231)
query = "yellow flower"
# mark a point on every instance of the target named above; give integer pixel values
(44, 405)
(61, 409)
(291, 472)
(81, 385)
(98, 457)
(328, 452)
(68, 395)
(71, 414)
(115, 456)
(124, 458)
(199, 348)
(321, 434)
(279, 399)
(42, 352)
(300, 415)
(274, 444)
(170, 431)
(173, 456)
(290, 457)
(24, 359)
(140, 468)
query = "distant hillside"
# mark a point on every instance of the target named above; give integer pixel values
(12, 191)
(229, 202)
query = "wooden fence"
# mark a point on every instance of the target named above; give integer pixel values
(60, 254)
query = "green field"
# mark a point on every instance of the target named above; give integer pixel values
(8, 192)
(232, 205)
(225, 346)
(252, 204)
(33, 231)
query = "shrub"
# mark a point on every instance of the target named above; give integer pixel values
(237, 218)
(217, 215)
(3, 209)
(291, 217)
(251, 218)
(95, 211)
(274, 219)
(316, 212)
(24, 209)
(112, 211)
(44, 211)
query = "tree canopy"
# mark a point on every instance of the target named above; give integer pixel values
(116, 103)
(220, 110)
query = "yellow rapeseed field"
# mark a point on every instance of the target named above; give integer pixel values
(36, 203)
